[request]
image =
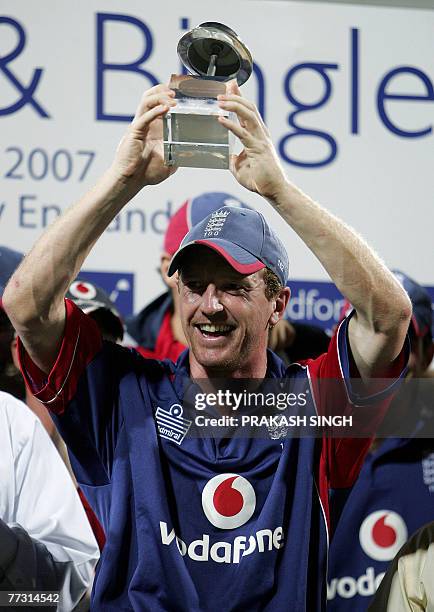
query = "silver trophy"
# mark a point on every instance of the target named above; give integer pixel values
(213, 54)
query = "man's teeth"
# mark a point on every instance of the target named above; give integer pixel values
(214, 328)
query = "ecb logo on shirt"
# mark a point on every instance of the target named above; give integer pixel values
(228, 501)
(382, 534)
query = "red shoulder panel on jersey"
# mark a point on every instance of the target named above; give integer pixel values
(81, 342)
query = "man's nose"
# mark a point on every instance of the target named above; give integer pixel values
(211, 301)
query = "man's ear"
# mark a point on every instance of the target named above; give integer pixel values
(280, 303)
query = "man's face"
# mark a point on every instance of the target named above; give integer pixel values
(225, 315)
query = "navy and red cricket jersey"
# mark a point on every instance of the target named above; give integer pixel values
(192, 523)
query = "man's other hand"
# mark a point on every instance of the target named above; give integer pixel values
(257, 167)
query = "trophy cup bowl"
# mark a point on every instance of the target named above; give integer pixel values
(213, 54)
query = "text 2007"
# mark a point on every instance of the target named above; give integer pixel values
(38, 164)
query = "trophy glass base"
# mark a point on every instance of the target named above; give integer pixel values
(184, 143)
(192, 135)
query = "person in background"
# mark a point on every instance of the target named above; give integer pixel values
(96, 303)
(408, 585)
(10, 375)
(394, 494)
(294, 341)
(46, 543)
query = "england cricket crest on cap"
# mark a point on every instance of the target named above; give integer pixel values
(171, 425)
(215, 223)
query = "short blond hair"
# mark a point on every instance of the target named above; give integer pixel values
(273, 286)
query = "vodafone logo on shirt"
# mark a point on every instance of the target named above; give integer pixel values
(382, 534)
(228, 501)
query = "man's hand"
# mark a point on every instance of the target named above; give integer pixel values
(140, 154)
(257, 167)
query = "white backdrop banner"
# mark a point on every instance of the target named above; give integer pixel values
(346, 91)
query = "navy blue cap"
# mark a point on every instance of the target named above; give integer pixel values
(192, 212)
(242, 237)
(9, 262)
(422, 318)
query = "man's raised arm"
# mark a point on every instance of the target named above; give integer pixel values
(34, 297)
(383, 309)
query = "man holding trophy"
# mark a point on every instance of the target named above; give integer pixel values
(207, 523)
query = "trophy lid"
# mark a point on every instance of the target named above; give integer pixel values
(212, 49)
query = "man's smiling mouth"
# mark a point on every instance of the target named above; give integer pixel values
(214, 330)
